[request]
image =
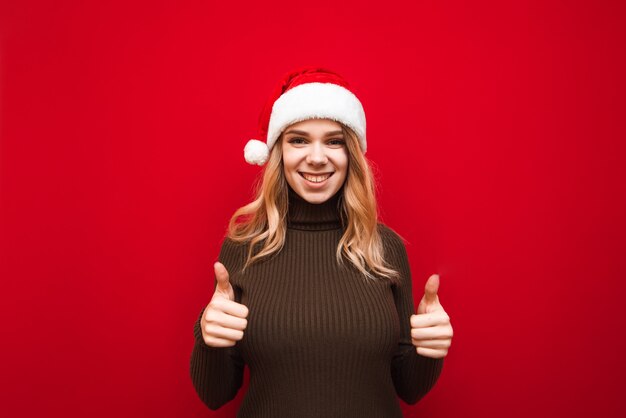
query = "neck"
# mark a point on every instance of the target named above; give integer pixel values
(304, 215)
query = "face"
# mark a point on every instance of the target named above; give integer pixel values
(312, 150)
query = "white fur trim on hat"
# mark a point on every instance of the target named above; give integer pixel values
(256, 152)
(317, 101)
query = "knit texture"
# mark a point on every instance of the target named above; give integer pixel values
(321, 340)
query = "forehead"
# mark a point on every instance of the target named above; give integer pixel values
(315, 125)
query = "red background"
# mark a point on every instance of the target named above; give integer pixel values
(496, 129)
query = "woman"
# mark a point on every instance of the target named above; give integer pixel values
(312, 292)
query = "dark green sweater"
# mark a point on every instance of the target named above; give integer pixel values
(321, 341)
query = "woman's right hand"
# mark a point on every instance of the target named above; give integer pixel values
(223, 320)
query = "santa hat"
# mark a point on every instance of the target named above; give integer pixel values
(306, 93)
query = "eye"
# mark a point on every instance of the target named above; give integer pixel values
(335, 142)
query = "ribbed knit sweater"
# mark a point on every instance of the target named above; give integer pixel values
(321, 340)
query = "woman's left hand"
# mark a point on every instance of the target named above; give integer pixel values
(431, 331)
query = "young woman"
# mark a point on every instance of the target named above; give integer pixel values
(312, 292)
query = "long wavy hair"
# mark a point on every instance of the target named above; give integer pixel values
(264, 220)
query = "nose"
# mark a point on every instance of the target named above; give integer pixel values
(317, 155)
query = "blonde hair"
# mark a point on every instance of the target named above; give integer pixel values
(265, 218)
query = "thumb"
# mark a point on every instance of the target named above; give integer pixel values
(222, 278)
(431, 289)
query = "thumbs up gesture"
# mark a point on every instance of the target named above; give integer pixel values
(223, 320)
(431, 331)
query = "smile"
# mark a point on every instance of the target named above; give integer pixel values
(319, 178)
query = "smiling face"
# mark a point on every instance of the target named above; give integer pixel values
(315, 158)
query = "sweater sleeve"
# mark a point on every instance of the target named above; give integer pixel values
(217, 372)
(413, 375)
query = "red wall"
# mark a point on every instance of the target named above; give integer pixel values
(497, 130)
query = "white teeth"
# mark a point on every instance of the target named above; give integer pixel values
(315, 179)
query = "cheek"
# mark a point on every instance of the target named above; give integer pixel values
(288, 164)
(342, 163)
(342, 171)
(339, 158)
(291, 157)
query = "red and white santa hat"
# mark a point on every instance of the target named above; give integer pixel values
(306, 93)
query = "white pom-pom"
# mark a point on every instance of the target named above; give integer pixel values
(256, 152)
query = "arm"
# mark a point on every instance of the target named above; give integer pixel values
(413, 375)
(217, 372)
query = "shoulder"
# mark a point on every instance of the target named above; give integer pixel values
(228, 244)
(233, 254)
(393, 245)
(395, 253)
(391, 239)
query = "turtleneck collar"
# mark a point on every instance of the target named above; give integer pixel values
(311, 216)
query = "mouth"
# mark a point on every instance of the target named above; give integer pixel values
(316, 178)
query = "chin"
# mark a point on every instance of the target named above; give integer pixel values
(316, 198)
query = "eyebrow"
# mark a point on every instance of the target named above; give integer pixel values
(304, 133)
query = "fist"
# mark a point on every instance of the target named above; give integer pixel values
(431, 331)
(223, 320)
